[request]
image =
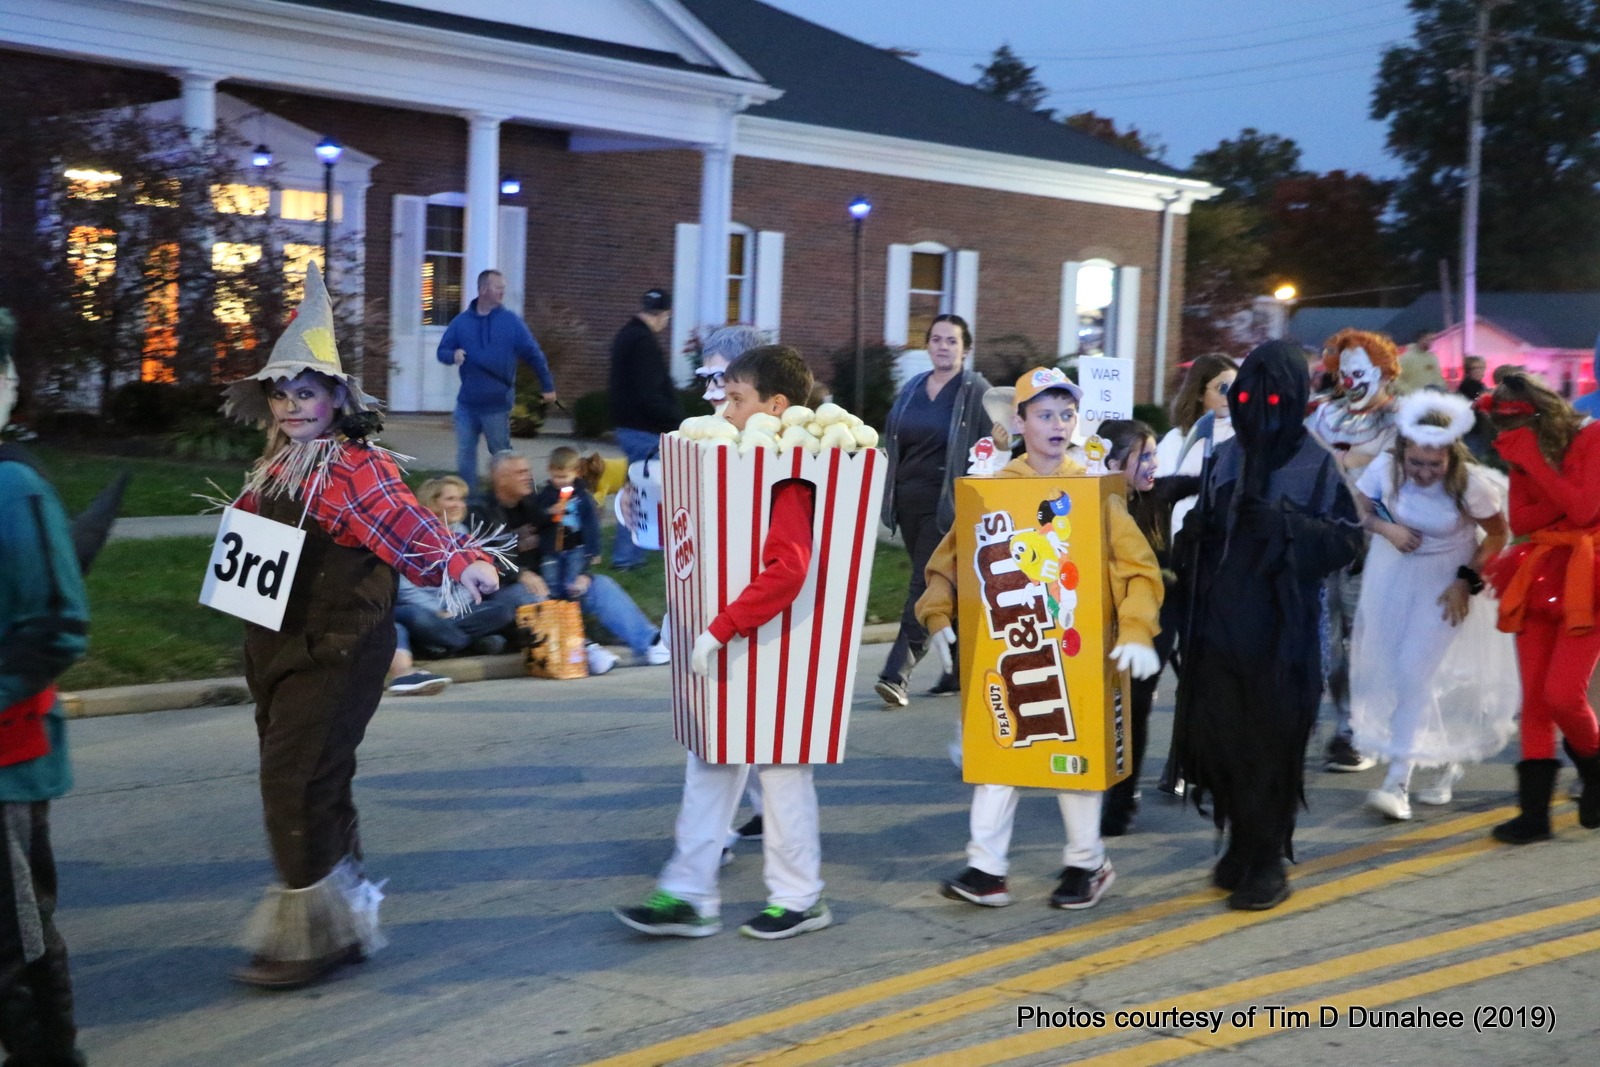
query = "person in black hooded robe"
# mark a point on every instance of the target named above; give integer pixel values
(1276, 518)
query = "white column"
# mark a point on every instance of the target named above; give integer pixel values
(1158, 372)
(483, 199)
(716, 208)
(199, 95)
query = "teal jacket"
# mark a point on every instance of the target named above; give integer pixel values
(44, 619)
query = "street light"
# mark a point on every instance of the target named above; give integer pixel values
(328, 150)
(1285, 293)
(510, 185)
(261, 156)
(860, 208)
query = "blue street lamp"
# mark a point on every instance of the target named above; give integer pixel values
(261, 156)
(860, 208)
(328, 150)
(510, 185)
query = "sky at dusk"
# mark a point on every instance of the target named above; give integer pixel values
(1191, 72)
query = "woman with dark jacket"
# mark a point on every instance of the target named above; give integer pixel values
(934, 423)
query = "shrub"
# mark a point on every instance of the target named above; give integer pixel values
(878, 363)
(591, 414)
(1153, 415)
(212, 437)
(144, 407)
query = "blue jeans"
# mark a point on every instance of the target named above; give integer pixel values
(636, 445)
(493, 426)
(430, 631)
(607, 601)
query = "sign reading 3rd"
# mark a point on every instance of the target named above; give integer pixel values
(252, 568)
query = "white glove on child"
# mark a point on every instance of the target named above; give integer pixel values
(941, 643)
(1140, 661)
(705, 646)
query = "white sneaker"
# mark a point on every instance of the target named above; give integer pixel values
(1442, 790)
(666, 631)
(656, 655)
(601, 658)
(1391, 803)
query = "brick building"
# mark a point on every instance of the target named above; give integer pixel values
(709, 145)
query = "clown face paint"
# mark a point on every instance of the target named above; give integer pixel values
(305, 406)
(1362, 381)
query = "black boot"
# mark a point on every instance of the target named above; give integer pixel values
(1264, 884)
(1536, 780)
(1116, 816)
(1589, 771)
(1229, 871)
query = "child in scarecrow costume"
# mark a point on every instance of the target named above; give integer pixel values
(317, 680)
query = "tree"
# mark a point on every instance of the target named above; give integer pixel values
(1012, 80)
(1248, 166)
(1325, 234)
(1105, 129)
(1224, 265)
(1539, 214)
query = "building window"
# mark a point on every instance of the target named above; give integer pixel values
(92, 253)
(160, 315)
(84, 183)
(443, 261)
(229, 304)
(296, 258)
(741, 275)
(929, 292)
(303, 205)
(238, 199)
(1096, 293)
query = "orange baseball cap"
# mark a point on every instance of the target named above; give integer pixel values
(1042, 380)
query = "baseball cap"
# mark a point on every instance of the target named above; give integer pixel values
(1042, 380)
(656, 300)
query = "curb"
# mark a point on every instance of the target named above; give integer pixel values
(223, 692)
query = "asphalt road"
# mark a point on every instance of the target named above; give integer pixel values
(510, 817)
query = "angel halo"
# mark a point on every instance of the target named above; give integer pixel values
(1412, 409)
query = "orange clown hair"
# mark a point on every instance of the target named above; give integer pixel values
(1379, 348)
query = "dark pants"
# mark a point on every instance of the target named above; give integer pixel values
(430, 632)
(921, 533)
(314, 697)
(36, 1024)
(1141, 698)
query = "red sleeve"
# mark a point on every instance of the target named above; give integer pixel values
(1573, 491)
(785, 559)
(1528, 509)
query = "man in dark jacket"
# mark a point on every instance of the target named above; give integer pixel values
(644, 398)
(485, 341)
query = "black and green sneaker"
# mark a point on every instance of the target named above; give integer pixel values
(664, 915)
(777, 922)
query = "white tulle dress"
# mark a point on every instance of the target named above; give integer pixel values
(1423, 691)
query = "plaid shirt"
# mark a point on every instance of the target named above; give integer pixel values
(364, 504)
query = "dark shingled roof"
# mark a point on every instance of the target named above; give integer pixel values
(1314, 325)
(832, 80)
(1547, 320)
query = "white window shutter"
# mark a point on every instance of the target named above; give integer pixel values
(1069, 309)
(965, 299)
(513, 250)
(685, 295)
(406, 248)
(1127, 309)
(897, 296)
(769, 282)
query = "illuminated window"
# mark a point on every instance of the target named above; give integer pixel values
(160, 315)
(92, 252)
(303, 205)
(296, 257)
(238, 199)
(930, 292)
(84, 183)
(228, 257)
(443, 262)
(1097, 291)
(741, 250)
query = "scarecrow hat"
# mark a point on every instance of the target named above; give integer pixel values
(307, 344)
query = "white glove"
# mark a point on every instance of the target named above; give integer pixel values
(1140, 661)
(942, 642)
(705, 646)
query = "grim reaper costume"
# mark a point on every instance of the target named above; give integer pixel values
(1275, 519)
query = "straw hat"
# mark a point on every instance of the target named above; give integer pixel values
(307, 344)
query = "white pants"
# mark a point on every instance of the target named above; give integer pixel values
(994, 811)
(791, 845)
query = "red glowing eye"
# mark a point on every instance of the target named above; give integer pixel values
(1244, 396)
(1272, 398)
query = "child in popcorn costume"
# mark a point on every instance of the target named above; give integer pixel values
(1046, 415)
(768, 379)
(317, 680)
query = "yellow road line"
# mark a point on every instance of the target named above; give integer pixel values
(1278, 984)
(898, 985)
(1176, 1048)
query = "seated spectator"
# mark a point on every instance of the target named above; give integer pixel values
(406, 679)
(484, 629)
(569, 543)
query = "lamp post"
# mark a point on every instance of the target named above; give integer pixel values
(328, 150)
(860, 208)
(261, 156)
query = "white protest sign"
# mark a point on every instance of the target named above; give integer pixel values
(252, 568)
(1107, 385)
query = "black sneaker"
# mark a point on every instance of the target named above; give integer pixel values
(750, 831)
(419, 684)
(977, 887)
(1082, 888)
(893, 693)
(1343, 757)
(947, 684)
(664, 915)
(488, 645)
(777, 922)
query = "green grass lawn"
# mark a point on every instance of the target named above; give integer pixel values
(146, 624)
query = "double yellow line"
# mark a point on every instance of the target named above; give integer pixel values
(847, 1038)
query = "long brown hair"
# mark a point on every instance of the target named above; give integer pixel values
(1458, 460)
(1554, 422)
(1190, 403)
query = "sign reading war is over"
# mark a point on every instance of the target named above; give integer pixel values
(252, 568)
(1039, 700)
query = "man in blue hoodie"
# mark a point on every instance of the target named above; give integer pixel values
(485, 341)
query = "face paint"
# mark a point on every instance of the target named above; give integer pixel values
(305, 406)
(1361, 380)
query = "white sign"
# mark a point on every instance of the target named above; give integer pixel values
(252, 568)
(1107, 385)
